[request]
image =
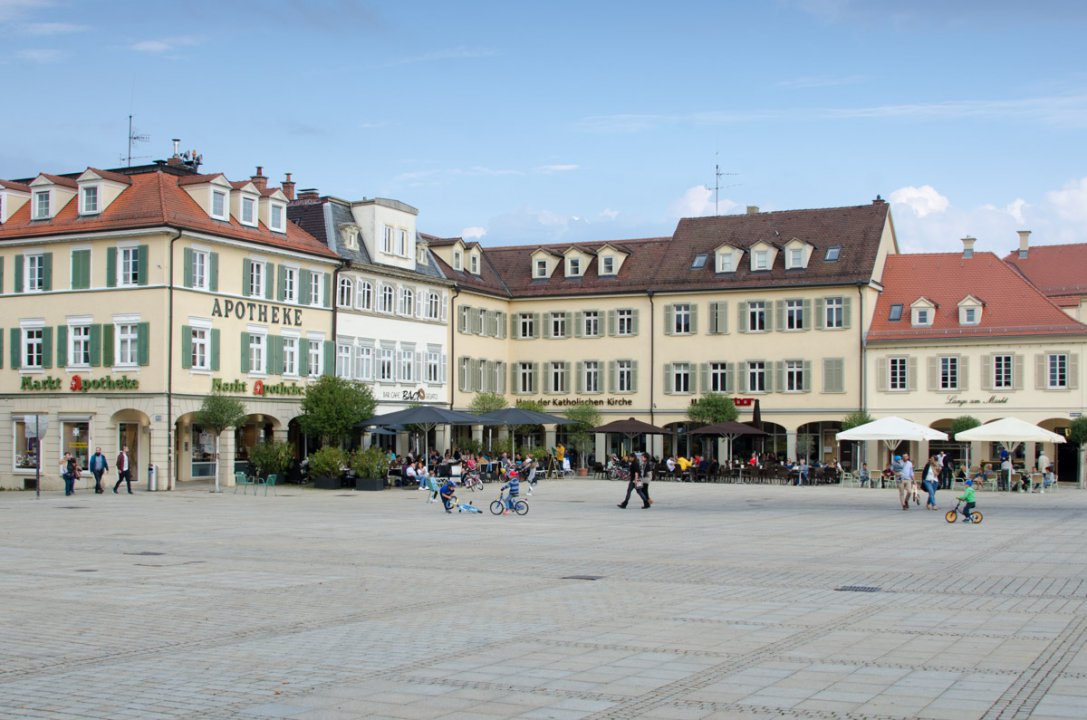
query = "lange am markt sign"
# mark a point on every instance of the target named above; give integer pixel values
(79, 384)
(260, 388)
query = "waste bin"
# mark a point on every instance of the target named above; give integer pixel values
(152, 481)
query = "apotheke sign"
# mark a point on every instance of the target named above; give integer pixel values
(260, 388)
(257, 312)
(78, 384)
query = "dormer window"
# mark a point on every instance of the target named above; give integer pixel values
(796, 258)
(760, 260)
(573, 267)
(541, 269)
(473, 264)
(388, 244)
(607, 265)
(969, 316)
(402, 242)
(970, 311)
(41, 205)
(725, 262)
(249, 211)
(923, 313)
(420, 254)
(88, 200)
(458, 260)
(276, 218)
(218, 204)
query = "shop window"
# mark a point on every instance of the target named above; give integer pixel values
(26, 448)
(75, 439)
(202, 444)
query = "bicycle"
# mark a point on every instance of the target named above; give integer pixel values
(502, 504)
(472, 481)
(952, 515)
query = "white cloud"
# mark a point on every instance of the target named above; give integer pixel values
(10, 9)
(698, 201)
(52, 28)
(551, 169)
(473, 233)
(922, 200)
(609, 214)
(163, 45)
(457, 53)
(1070, 202)
(40, 55)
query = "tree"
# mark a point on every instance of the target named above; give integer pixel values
(585, 417)
(1077, 433)
(333, 407)
(217, 413)
(271, 457)
(962, 424)
(486, 402)
(855, 419)
(712, 408)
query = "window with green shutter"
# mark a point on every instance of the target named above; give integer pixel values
(47, 347)
(213, 271)
(143, 264)
(111, 267)
(143, 344)
(62, 346)
(107, 345)
(16, 348)
(244, 348)
(96, 346)
(247, 277)
(329, 358)
(215, 350)
(19, 273)
(186, 347)
(81, 269)
(188, 263)
(269, 281)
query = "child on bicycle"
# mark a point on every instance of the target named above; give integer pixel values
(514, 487)
(967, 497)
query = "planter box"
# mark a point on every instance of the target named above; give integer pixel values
(369, 483)
(327, 483)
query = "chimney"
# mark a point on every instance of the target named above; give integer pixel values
(1024, 243)
(752, 209)
(968, 247)
(175, 159)
(308, 195)
(288, 188)
(259, 180)
(879, 200)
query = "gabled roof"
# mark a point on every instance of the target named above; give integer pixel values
(156, 199)
(58, 180)
(19, 187)
(109, 175)
(1056, 270)
(200, 179)
(1013, 307)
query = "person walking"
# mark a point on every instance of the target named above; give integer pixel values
(98, 465)
(69, 470)
(905, 481)
(930, 481)
(124, 470)
(635, 484)
(947, 470)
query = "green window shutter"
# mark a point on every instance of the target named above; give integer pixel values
(326, 289)
(741, 317)
(611, 323)
(16, 348)
(633, 322)
(269, 281)
(188, 281)
(704, 377)
(1, 282)
(730, 377)
(669, 319)
(613, 376)
(846, 304)
(107, 345)
(807, 376)
(535, 377)
(142, 263)
(18, 273)
(964, 372)
(281, 282)
(881, 375)
(694, 318)
(214, 350)
(933, 374)
(247, 277)
(244, 343)
(742, 384)
(779, 313)
(111, 267)
(546, 329)
(669, 382)
(1073, 371)
(143, 344)
(96, 345)
(579, 378)
(303, 287)
(62, 346)
(276, 358)
(186, 347)
(579, 324)
(911, 371)
(213, 271)
(778, 378)
(47, 268)
(634, 376)
(47, 347)
(330, 358)
(303, 357)
(820, 313)
(537, 318)
(81, 269)
(513, 328)
(1, 348)
(805, 316)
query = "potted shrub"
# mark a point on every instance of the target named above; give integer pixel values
(326, 468)
(270, 458)
(371, 468)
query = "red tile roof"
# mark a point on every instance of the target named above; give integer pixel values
(1012, 306)
(156, 199)
(21, 187)
(110, 175)
(58, 180)
(1059, 271)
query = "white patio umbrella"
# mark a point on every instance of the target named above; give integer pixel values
(891, 430)
(1009, 432)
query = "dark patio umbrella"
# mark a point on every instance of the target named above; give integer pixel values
(630, 428)
(729, 429)
(513, 416)
(426, 416)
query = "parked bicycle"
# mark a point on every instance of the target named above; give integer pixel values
(471, 480)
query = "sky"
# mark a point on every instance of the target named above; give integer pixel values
(564, 121)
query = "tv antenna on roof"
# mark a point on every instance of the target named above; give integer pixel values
(717, 175)
(134, 137)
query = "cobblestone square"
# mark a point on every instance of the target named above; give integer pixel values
(720, 601)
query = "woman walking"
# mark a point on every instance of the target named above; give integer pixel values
(930, 481)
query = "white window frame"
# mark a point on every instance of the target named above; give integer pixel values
(526, 322)
(624, 376)
(364, 294)
(277, 213)
(41, 209)
(834, 313)
(200, 343)
(405, 301)
(258, 276)
(526, 378)
(558, 325)
(316, 356)
(757, 376)
(573, 267)
(590, 323)
(34, 273)
(387, 244)
(718, 377)
(128, 266)
(795, 382)
(126, 342)
(405, 371)
(590, 379)
(247, 211)
(473, 264)
(345, 295)
(948, 367)
(28, 342)
(1056, 371)
(794, 314)
(725, 262)
(386, 299)
(434, 306)
(760, 260)
(681, 319)
(316, 288)
(898, 373)
(556, 377)
(364, 362)
(624, 322)
(607, 265)
(1003, 371)
(290, 355)
(796, 258)
(541, 269)
(290, 284)
(681, 378)
(86, 208)
(922, 316)
(223, 202)
(386, 364)
(344, 359)
(433, 367)
(402, 242)
(258, 351)
(79, 345)
(756, 316)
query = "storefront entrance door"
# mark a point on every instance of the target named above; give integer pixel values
(129, 434)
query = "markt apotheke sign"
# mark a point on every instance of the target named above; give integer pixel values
(259, 388)
(79, 384)
(257, 312)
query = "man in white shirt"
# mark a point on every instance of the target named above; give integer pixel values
(124, 470)
(905, 481)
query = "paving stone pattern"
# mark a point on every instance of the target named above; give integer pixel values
(721, 601)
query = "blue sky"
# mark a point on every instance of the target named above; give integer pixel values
(517, 122)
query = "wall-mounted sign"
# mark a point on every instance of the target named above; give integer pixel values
(597, 402)
(991, 400)
(405, 395)
(260, 388)
(78, 384)
(257, 312)
(737, 401)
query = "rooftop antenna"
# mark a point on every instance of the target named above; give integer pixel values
(134, 137)
(717, 175)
